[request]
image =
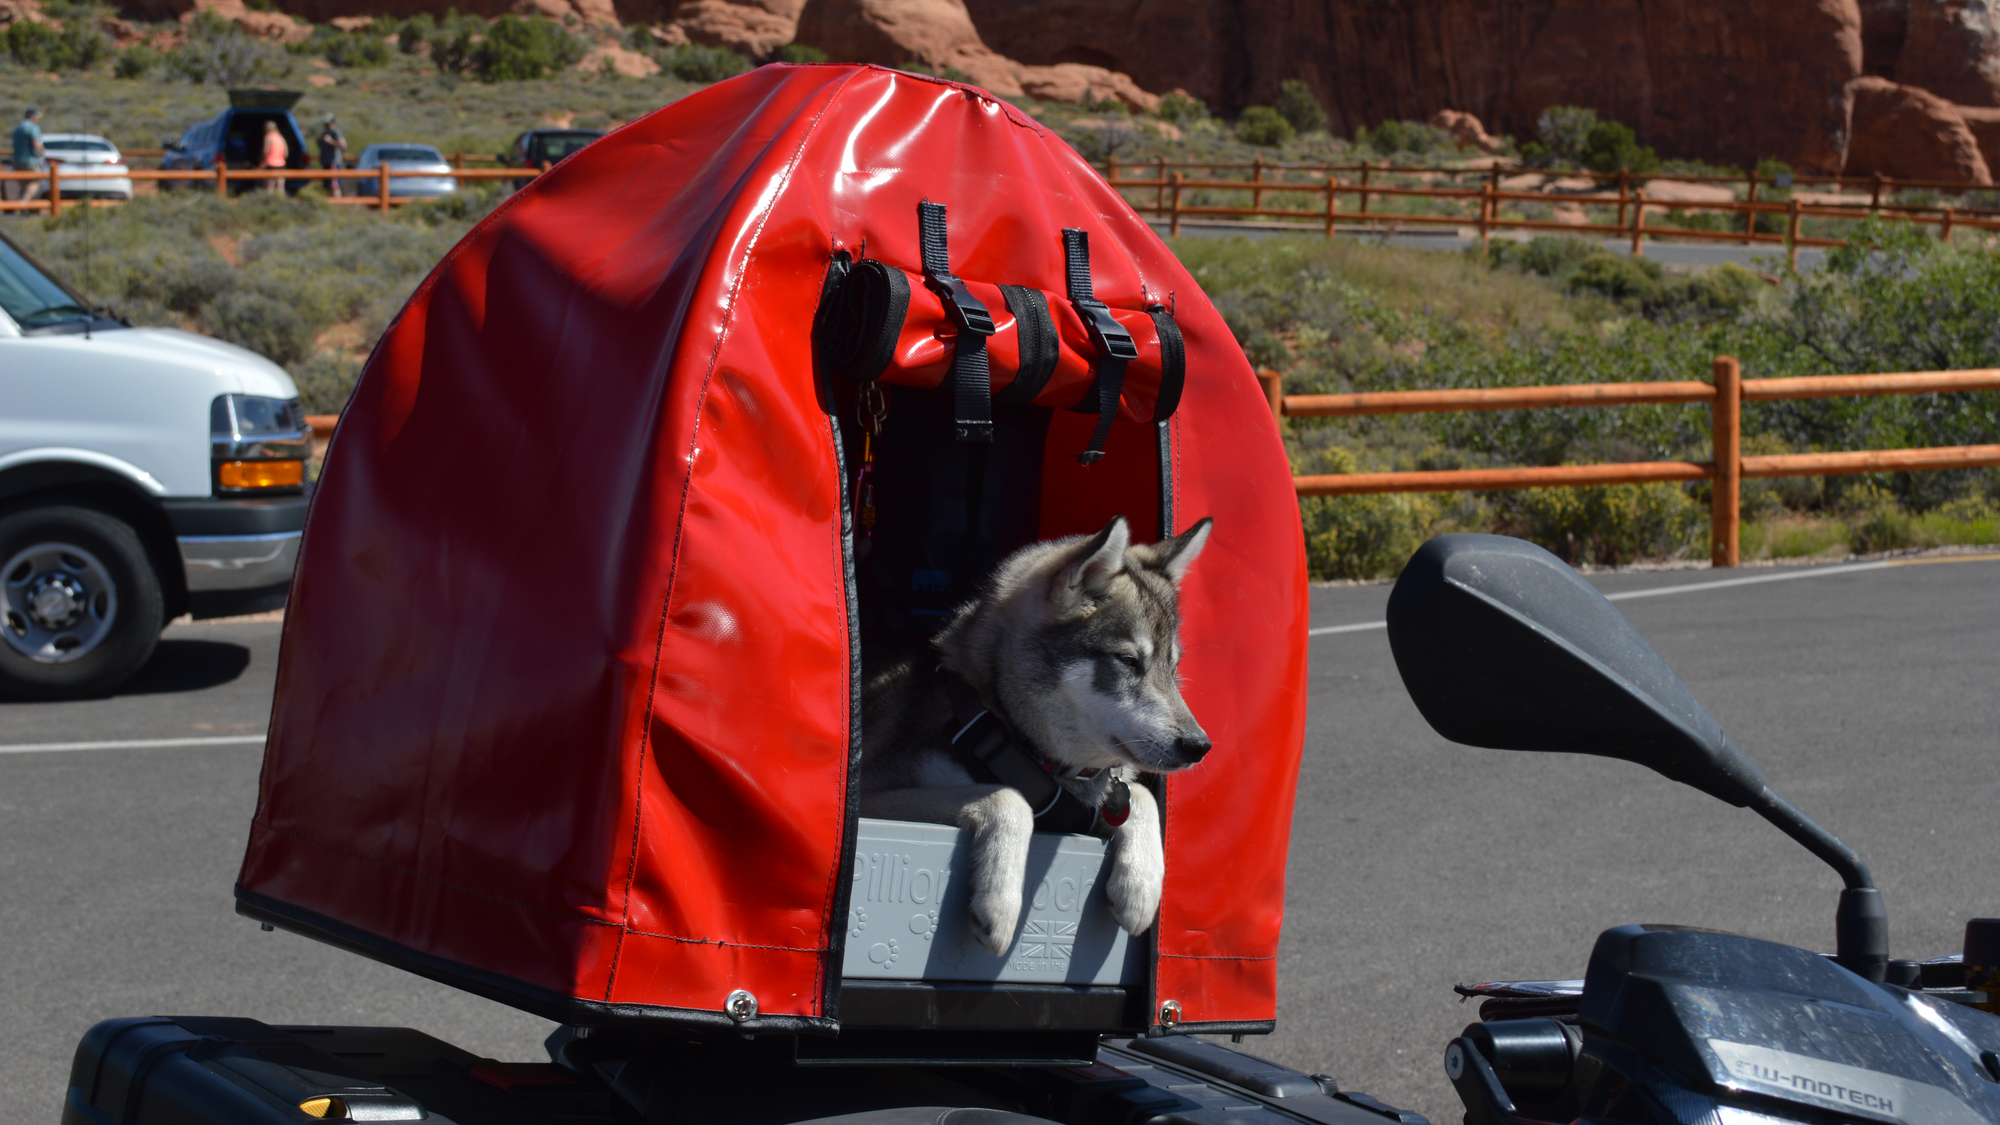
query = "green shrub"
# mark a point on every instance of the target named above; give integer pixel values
(345, 49)
(520, 48)
(1263, 125)
(218, 53)
(267, 325)
(1610, 146)
(691, 62)
(1562, 130)
(1616, 277)
(1607, 525)
(1297, 105)
(78, 45)
(414, 33)
(135, 61)
(1392, 137)
(1184, 111)
(1723, 292)
(799, 53)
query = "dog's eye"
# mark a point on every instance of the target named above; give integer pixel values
(1137, 666)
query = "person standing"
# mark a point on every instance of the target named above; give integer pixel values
(276, 154)
(332, 153)
(29, 155)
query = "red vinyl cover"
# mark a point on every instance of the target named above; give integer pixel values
(567, 699)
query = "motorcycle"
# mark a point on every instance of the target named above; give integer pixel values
(1503, 646)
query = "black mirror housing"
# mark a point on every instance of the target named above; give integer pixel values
(1502, 645)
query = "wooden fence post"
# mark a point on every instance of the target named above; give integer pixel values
(1487, 207)
(1944, 227)
(1875, 197)
(1639, 223)
(1332, 201)
(221, 178)
(1792, 236)
(1726, 436)
(55, 189)
(382, 186)
(1257, 177)
(1174, 221)
(1365, 165)
(1274, 390)
(1750, 218)
(1624, 189)
(1111, 170)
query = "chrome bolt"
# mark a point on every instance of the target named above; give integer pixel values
(1170, 1013)
(55, 601)
(741, 1006)
(1454, 1062)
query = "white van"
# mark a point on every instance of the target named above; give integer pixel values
(144, 473)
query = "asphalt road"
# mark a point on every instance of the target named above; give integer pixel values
(1867, 697)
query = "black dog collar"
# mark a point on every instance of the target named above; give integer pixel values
(992, 750)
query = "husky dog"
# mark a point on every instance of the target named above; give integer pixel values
(1073, 645)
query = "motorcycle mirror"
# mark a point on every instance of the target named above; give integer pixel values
(1502, 645)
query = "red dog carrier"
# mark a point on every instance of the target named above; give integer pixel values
(568, 709)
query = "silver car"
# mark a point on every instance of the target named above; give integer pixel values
(88, 165)
(401, 158)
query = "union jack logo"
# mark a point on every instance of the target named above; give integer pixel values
(1047, 938)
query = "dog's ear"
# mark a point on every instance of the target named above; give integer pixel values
(1094, 563)
(1176, 555)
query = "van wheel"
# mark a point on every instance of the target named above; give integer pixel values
(80, 606)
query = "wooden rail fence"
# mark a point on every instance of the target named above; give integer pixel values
(1170, 187)
(1724, 396)
(222, 176)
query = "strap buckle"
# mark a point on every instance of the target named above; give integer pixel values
(965, 310)
(1106, 334)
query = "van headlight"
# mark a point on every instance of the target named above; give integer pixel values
(258, 445)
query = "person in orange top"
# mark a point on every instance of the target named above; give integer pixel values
(276, 153)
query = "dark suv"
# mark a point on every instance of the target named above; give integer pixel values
(539, 147)
(236, 136)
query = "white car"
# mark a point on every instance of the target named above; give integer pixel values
(144, 473)
(88, 165)
(402, 158)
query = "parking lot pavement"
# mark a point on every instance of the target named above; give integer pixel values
(1865, 694)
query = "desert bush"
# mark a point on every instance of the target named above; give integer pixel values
(520, 48)
(1616, 277)
(691, 62)
(1393, 137)
(135, 61)
(1263, 125)
(346, 49)
(77, 45)
(799, 53)
(1297, 105)
(1607, 525)
(413, 35)
(1182, 110)
(1610, 146)
(218, 53)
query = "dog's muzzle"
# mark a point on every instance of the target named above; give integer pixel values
(1188, 751)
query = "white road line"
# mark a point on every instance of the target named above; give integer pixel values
(132, 744)
(1662, 591)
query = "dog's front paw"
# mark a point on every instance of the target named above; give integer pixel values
(994, 912)
(1134, 891)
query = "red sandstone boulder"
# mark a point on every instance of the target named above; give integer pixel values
(1465, 130)
(755, 29)
(1984, 121)
(1911, 134)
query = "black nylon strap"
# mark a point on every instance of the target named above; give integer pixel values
(972, 376)
(862, 306)
(992, 752)
(1173, 362)
(1114, 345)
(1035, 330)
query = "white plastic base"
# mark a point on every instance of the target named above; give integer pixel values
(907, 915)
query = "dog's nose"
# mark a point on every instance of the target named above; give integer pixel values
(1191, 750)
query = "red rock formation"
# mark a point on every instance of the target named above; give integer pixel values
(1911, 134)
(1984, 121)
(755, 29)
(1465, 130)
(1952, 49)
(1719, 79)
